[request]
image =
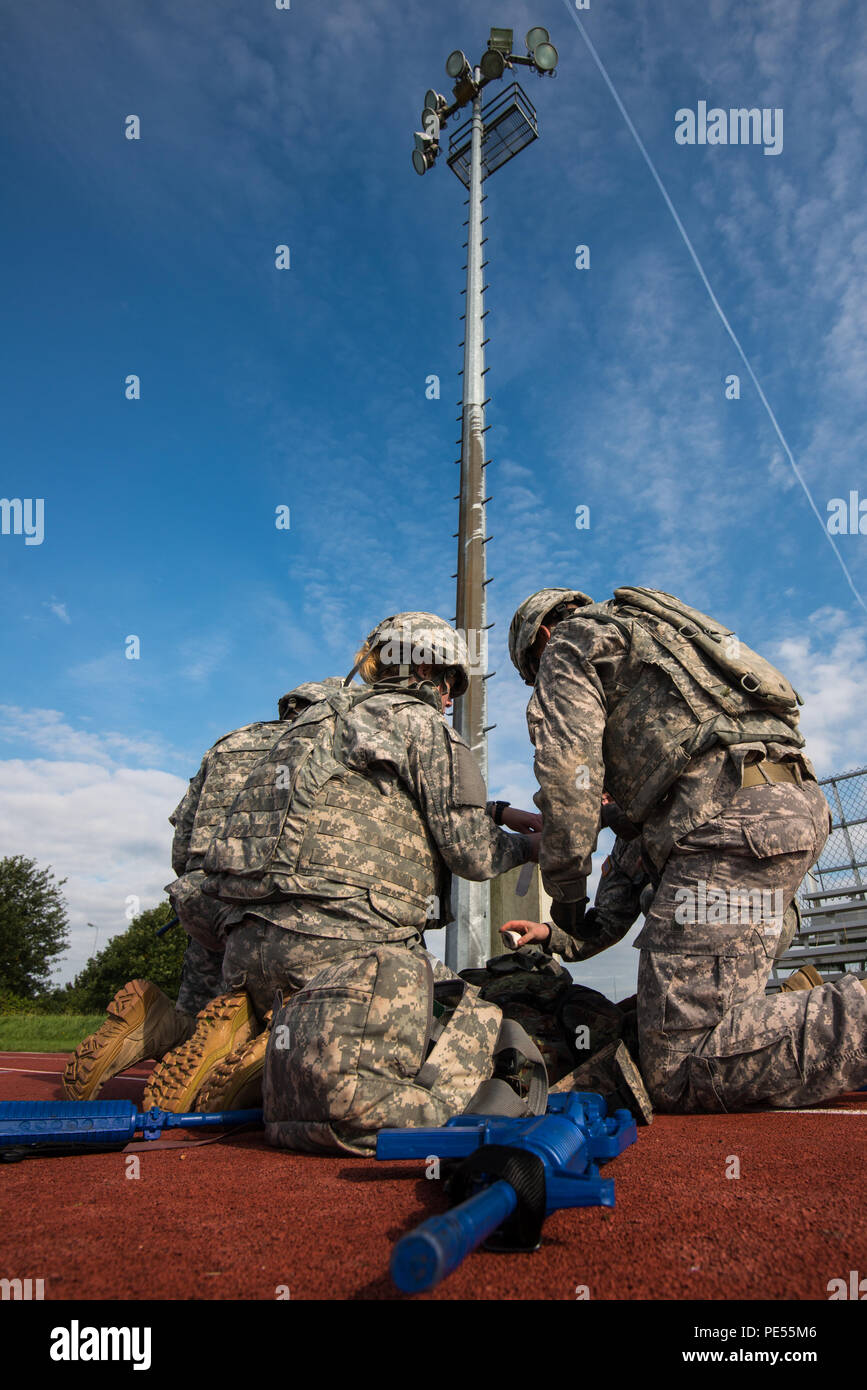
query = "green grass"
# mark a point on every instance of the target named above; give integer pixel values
(46, 1032)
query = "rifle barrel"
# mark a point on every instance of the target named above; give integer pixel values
(436, 1248)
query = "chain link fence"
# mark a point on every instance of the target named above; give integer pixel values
(833, 896)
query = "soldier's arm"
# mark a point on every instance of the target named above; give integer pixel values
(446, 781)
(182, 819)
(566, 720)
(617, 906)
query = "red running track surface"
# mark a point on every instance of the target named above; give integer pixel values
(236, 1219)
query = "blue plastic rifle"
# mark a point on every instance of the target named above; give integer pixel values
(28, 1128)
(516, 1172)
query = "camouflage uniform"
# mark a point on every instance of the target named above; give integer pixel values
(403, 808)
(626, 889)
(222, 774)
(618, 903)
(611, 711)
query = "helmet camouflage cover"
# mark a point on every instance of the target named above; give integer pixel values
(526, 623)
(308, 693)
(421, 639)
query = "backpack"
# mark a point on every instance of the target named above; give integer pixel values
(568, 1022)
(372, 1042)
(744, 670)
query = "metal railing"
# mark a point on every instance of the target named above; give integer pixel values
(833, 896)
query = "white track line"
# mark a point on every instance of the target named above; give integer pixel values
(821, 1112)
(29, 1071)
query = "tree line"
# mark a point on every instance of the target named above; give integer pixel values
(34, 931)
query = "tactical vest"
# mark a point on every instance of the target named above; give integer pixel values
(306, 824)
(672, 700)
(229, 764)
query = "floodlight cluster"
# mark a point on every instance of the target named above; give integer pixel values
(542, 56)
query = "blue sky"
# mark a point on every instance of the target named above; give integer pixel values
(306, 387)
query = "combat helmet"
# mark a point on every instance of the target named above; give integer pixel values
(406, 640)
(527, 621)
(291, 704)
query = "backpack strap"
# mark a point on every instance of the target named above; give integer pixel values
(496, 1096)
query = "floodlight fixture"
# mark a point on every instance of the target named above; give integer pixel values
(492, 63)
(545, 57)
(425, 152)
(430, 123)
(502, 40)
(535, 37)
(456, 64)
(435, 100)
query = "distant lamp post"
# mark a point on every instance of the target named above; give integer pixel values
(483, 144)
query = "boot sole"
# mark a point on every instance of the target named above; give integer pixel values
(237, 1092)
(99, 1058)
(177, 1081)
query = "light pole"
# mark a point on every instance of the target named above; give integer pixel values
(481, 146)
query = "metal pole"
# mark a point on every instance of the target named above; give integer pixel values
(467, 939)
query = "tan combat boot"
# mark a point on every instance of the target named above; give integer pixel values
(222, 1027)
(142, 1022)
(236, 1083)
(807, 977)
(613, 1074)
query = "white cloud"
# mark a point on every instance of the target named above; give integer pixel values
(58, 609)
(827, 664)
(104, 829)
(47, 732)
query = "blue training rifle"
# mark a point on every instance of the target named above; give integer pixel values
(76, 1126)
(516, 1172)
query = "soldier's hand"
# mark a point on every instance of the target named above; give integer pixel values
(525, 822)
(528, 932)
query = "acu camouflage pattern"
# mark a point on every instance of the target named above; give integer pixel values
(408, 640)
(710, 1038)
(224, 770)
(612, 1073)
(617, 905)
(359, 1050)
(201, 978)
(624, 704)
(222, 774)
(262, 957)
(625, 891)
(524, 627)
(380, 801)
(621, 708)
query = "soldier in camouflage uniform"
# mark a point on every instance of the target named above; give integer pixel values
(348, 839)
(142, 1022)
(696, 738)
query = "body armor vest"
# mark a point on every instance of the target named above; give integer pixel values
(229, 764)
(306, 824)
(670, 702)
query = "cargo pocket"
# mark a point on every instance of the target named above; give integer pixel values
(756, 1076)
(699, 991)
(313, 1054)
